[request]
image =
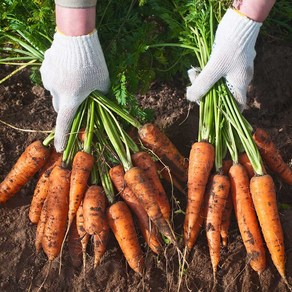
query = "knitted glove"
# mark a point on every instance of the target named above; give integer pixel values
(72, 68)
(232, 57)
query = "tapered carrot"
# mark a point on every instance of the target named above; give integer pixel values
(41, 227)
(121, 223)
(144, 161)
(94, 204)
(218, 195)
(141, 186)
(74, 245)
(271, 155)
(263, 193)
(246, 217)
(201, 162)
(40, 193)
(57, 212)
(244, 160)
(153, 138)
(100, 242)
(149, 231)
(27, 165)
(226, 220)
(166, 174)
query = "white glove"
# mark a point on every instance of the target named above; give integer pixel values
(72, 68)
(232, 57)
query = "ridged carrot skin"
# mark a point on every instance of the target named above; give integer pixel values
(57, 212)
(145, 162)
(201, 161)
(99, 243)
(263, 193)
(218, 194)
(271, 155)
(153, 138)
(31, 160)
(148, 230)
(226, 220)
(41, 227)
(121, 223)
(246, 218)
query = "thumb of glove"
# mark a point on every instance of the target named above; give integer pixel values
(201, 83)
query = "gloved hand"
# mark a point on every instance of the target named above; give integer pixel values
(232, 57)
(73, 67)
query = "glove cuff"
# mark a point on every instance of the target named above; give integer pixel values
(239, 28)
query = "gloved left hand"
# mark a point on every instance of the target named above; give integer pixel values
(73, 67)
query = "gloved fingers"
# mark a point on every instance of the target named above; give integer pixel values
(203, 82)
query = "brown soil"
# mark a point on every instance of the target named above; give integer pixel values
(29, 107)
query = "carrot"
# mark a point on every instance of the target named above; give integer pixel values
(153, 138)
(218, 195)
(246, 217)
(74, 245)
(144, 161)
(94, 204)
(40, 194)
(166, 174)
(264, 198)
(244, 160)
(27, 165)
(41, 227)
(57, 212)
(121, 223)
(272, 156)
(201, 162)
(53, 157)
(81, 168)
(149, 232)
(226, 220)
(226, 164)
(138, 182)
(99, 242)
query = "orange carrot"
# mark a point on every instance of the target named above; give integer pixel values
(244, 160)
(218, 195)
(41, 227)
(74, 245)
(121, 223)
(246, 217)
(57, 212)
(144, 161)
(100, 241)
(263, 193)
(153, 138)
(138, 182)
(53, 157)
(226, 164)
(226, 220)
(166, 174)
(149, 231)
(201, 162)
(27, 165)
(94, 204)
(272, 156)
(40, 194)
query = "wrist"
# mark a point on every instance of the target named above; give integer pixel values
(75, 21)
(254, 10)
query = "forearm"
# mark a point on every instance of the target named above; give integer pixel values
(257, 10)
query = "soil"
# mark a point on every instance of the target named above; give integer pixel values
(28, 107)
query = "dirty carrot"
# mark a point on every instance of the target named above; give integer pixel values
(99, 244)
(244, 160)
(27, 165)
(218, 194)
(53, 157)
(226, 220)
(201, 162)
(141, 186)
(121, 223)
(271, 155)
(144, 161)
(94, 204)
(40, 194)
(149, 231)
(41, 227)
(153, 138)
(246, 217)
(263, 193)
(57, 211)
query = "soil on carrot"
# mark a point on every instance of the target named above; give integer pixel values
(28, 107)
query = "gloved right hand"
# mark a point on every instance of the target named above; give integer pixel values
(232, 58)
(73, 67)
